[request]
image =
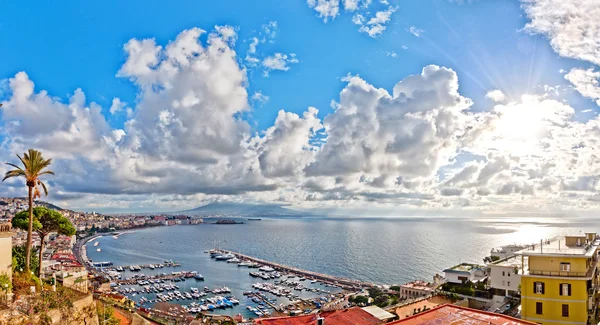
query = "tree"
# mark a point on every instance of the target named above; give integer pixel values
(45, 221)
(34, 166)
(395, 288)
(18, 259)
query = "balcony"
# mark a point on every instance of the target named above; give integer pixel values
(588, 274)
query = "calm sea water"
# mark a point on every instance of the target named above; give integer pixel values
(385, 251)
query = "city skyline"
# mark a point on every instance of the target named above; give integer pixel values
(381, 107)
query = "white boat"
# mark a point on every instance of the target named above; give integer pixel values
(234, 260)
(225, 257)
(98, 250)
(266, 269)
(96, 243)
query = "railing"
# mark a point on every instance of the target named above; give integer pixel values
(4, 227)
(558, 273)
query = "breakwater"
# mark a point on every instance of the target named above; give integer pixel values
(344, 283)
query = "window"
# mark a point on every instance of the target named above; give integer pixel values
(509, 283)
(538, 288)
(566, 267)
(565, 310)
(565, 289)
(502, 282)
(508, 273)
(502, 273)
(538, 308)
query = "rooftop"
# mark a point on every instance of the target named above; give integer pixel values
(418, 284)
(355, 316)
(379, 313)
(563, 245)
(464, 267)
(455, 315)
(513, 261)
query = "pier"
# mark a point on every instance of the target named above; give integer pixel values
(344, 283)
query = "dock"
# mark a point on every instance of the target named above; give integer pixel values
(344, 283)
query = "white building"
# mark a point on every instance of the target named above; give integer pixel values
(506, 251)
(464, 272)
(504, 275)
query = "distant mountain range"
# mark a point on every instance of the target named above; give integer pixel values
(243, 209)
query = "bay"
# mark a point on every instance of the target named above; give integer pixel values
(380, 250)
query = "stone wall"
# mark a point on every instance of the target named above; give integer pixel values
(5, 251)
(85, 313)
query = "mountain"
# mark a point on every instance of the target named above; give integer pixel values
(242, 209)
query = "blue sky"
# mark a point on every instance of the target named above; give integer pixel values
(66, 45)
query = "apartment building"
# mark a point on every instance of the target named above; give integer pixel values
(559, 280)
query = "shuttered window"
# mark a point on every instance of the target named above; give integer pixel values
(538, 288)
(565, 310)
(565, 289)
(538, 308)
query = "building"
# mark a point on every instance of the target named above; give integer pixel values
(456, 315)
(559, 280)
(505, 275)
(5, 250)
(416, 289)
(379, 313)
(465, 272)
(506, 251)
(354, 316)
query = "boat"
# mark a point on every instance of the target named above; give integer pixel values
(266, 269)
(96, 243)
(253, 265)
(224, 257)
(98, 250)
(234, 260)
(199, 277)
(255, 219)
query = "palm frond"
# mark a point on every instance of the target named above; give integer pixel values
(44, 187)
(14, 173)
(49, 172)
(15, 166)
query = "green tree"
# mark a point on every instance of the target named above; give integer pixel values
(395, 288)
(19, 258)
(360, 300)
(34, 166)
(45, 221)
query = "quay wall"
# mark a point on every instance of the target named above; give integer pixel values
(344, 282)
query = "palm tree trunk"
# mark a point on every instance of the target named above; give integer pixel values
(28, 255)
(41, 253)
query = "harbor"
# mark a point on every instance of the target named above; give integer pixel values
(265, 288)
(343, 283)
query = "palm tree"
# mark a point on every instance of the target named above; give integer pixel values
(34, 166)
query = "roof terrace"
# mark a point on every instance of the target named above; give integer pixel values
(579, 245)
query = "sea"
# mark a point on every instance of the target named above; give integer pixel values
(386, 251)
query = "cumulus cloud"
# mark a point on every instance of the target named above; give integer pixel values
(350, 5)
(188, 137)
(571, 26)
(327, 9)
(586, 82)
(278, 61)
(376, 25)
(496, 95)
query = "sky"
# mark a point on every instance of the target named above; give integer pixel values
(371, 107)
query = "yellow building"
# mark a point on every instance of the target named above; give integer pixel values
(559, 280)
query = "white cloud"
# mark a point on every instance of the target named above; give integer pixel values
(260, 97)
(586, 82)
(376, 25)
(391, 54)
(350, 5)
(418, 145)
(496, 95)
(278, 61)
(252, 46)
(572, 26)
(415, 31)
(327, 9)
(117, 106)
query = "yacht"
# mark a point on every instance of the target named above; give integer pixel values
(253, 265)
(266, 269)
(199, 277)
(96, 244)
(98, 250)
(225, 257)
(234, 260)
